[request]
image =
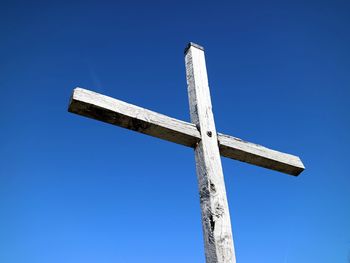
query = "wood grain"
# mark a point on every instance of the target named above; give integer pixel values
(103, 108)
(238, 149)
(216, 221)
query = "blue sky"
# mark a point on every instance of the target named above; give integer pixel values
(77, 190)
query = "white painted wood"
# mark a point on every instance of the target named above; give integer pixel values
(216, 222)
(100, 107)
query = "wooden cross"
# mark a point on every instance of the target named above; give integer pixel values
(202, 136)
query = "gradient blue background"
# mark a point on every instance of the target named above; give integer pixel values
(76, 190)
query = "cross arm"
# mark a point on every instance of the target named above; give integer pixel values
(252, 153)
(103, 108)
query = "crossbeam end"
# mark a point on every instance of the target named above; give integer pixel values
(238, 149)
(103, 108)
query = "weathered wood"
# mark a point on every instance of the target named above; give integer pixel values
(235, 148)
(100, 107)
(216, 222)
(202, 136)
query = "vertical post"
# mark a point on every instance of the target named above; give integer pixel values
(216, 222)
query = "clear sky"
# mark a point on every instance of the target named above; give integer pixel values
(77, 190)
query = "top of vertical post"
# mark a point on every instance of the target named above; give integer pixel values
(191, 44)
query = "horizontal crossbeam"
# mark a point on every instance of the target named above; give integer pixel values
(103, 108)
